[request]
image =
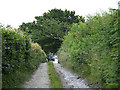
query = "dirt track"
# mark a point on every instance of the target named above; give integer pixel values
(40, 78)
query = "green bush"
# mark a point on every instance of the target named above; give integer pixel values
(14, 50)
(37, 55)
(91, 49)
(20, 57)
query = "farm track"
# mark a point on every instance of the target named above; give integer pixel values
(40, 78)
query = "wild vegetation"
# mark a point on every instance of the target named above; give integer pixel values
(21, 53)
(20, 57)
(91, 49)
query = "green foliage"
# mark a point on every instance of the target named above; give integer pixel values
(55, 81)
(91, 49)
(48, 30)
(37, 55)
(63, 16)
(20, 57)
(14, 50)
(50, 34)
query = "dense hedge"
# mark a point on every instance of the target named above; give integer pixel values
(14, 50)
(20, 57)
(91, 49)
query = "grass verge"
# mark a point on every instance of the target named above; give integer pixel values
(55, 81)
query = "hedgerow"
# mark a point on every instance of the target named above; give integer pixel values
(37, 55)
(14, 50)
(20, 57)
(91, 49)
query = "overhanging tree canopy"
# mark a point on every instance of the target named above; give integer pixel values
(48, 30)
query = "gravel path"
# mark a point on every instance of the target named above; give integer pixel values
(40, 78)
(69, 79)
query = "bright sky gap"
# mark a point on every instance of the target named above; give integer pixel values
(15, 12)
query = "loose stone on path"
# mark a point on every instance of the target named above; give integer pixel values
(40, 79)
(71, 79)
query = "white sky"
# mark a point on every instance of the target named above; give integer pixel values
(14, 12)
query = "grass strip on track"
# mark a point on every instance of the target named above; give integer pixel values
(55, 81)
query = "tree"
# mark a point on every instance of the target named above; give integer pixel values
(63, 16)
(48, 30)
